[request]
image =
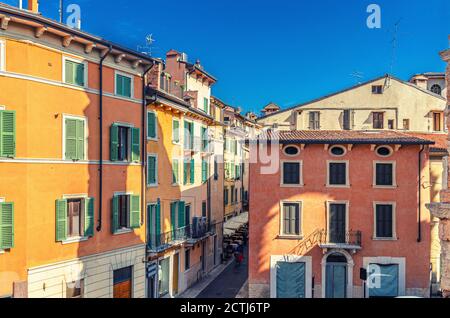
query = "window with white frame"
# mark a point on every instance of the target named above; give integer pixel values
(291, 219)
(75, 138)
(337, 173)
(152, 170)
(384, 174)
(176, 130)
(384, 221)
(2, 55)
(291, 173)
(124, 85)
(75, 71)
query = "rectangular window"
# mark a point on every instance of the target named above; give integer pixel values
(384, 174)
(205, 139)
(378, 120)
(124, 85)
(152, 170)
(176, 131)
(204, 209)
(6, 225)
(204, 170)
(406, 124)
(235, 195)
(74, 131)
(437, 121)
(188, 135)
(187, 259)
(122, 282)
(2, 56)
(291, 219)
(154, 225)
(314, 120)
(225, 196)
(164, 270)
(175, 171)
(384, 221)
(337, 173)
(7, 133)
(125, 212)
(346, 119)
(216, 169)
(125, 143)
(74, 218)
(206, 105)
(189, 171)
(75, 72)
(391, 124)
(291, 173)
(232, 194)
(377, 89)
(151, 125)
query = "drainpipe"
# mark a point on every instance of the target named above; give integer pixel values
(144, 143)
(419, 229)
(100, 190)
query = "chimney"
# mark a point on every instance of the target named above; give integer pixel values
(420, 80)
(33, 6)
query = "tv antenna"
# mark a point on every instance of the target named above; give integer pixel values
(358, 76)
(394, 43)
(148, 46)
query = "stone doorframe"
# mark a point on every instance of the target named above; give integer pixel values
(350, 265)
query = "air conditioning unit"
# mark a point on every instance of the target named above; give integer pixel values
(199, 227)
(184, 57)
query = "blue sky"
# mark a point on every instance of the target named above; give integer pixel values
(283, 51)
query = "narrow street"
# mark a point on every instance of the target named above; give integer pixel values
(229, 282)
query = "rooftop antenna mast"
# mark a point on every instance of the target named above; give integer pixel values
(394, 43)
(147, 47)
(358, 76)
(61, 11)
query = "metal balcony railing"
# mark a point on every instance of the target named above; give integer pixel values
(350, 238)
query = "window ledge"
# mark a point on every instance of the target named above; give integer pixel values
(123, 231)
(290, 237)
(344, 186)
(292, 185)
(153, 185)
(384, 239)
(385, 186)
(75, 240)
(152, 139)
(2, 252)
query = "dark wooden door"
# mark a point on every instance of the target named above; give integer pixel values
(122, 289)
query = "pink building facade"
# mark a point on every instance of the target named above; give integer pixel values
(339, 206)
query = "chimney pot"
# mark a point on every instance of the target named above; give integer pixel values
(33, 6)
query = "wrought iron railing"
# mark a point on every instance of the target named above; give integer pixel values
(179, 235)
(353, 238)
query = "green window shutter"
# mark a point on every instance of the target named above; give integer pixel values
(126, 86)
(114, 214)
(71, 139)
(135, 144)
(79, 74)
(204, 170)
(186, 135)
(192, 135)
(135, 212)
(7, 133)
(119, 85)
(185, 171)
(151, 125)
(151, 173)
(6, 225)
(114, 142)
(61, 220)
(80, 139)
(181, 214)
(89, 217)
(173, 209)
(176, 131)
(69, 76)
(158, 219)
(192, 171)
(175, 171)
(205, 105)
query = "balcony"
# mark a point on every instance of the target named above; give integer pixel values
(350, 240)
(189, 234)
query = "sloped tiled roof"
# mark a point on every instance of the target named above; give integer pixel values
(440, 140)
(343, 137)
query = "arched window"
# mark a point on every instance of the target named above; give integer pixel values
(436, 89)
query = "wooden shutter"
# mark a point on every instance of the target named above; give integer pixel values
(384, 220)
(158, 223)
(80, 139)
(185, 171)
(114, 142)
(114, 214)
(384, 175)
(135, 212)
(176, 131)
(204, 171)
(119, 85)
(175, 171)
(151, 173)
(187, 135)
(192, 171)
(7, 133)
(69, 72)
(79, 74)
(6, 225)
(127, 86)
(182, 214)
(173, 215)
(151, 125)
(61, 220)
(89, 217)
(135, 144)
(71, 139)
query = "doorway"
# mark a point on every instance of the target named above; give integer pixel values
(337, 223)
(175, 269)
(336, 276)
(122, 282)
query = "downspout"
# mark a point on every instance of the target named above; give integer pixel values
(144, 144)
(100, 189)
(419, 228)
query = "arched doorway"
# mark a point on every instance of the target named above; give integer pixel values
(336, 276)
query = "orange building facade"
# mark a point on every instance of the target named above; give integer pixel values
(71, 186)
(339, 215)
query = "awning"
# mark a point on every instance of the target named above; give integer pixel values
(233, 224)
